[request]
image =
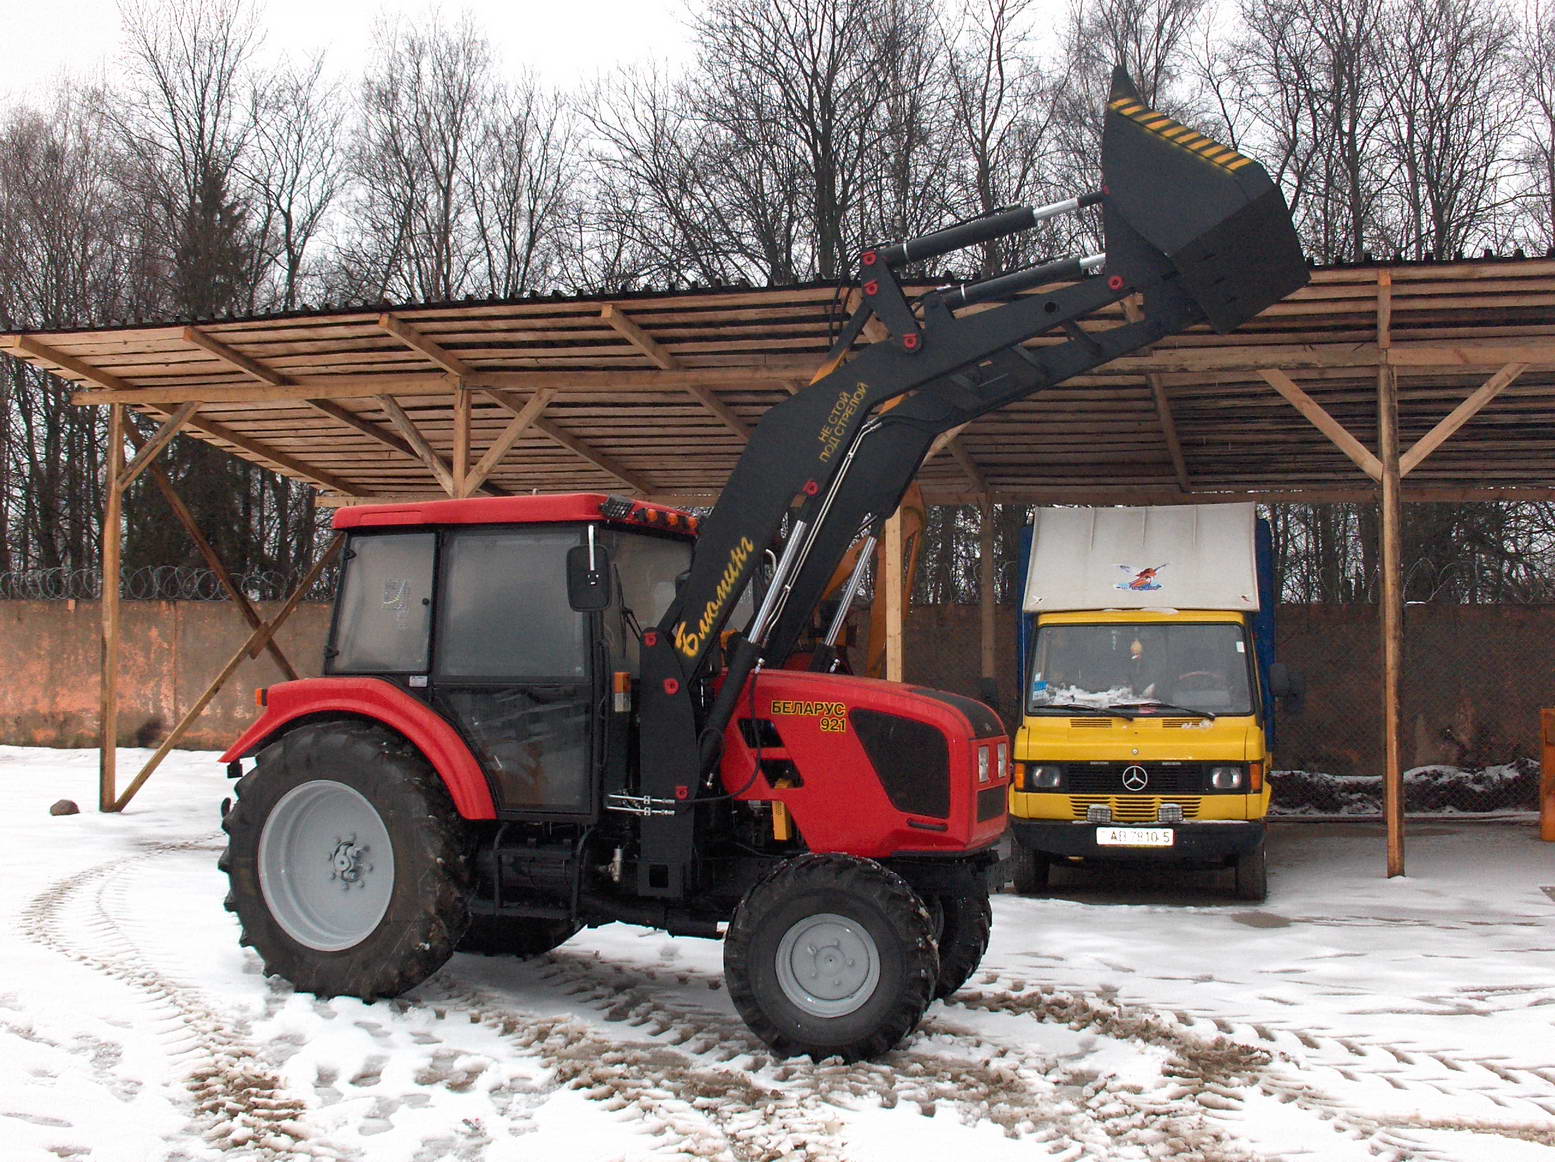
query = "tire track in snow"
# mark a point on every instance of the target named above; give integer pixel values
(240, 1106)
(772, 1109)
(1226, 1067)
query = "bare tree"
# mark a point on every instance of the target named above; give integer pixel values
(520, 182)
(294, 168)
(1452, 114)
(1004, 108)
(1534, 54)
(424, 101)
(1311, 77)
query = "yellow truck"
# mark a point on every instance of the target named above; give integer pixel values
(1149, 688)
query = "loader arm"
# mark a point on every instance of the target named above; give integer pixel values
(1197, 230)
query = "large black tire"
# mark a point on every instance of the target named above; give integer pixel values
(1028, 870)
(497, 936)
(965, 924)
(1251, 875)
(831, 914)
(307, 787)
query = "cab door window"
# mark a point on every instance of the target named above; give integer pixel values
(512, 664)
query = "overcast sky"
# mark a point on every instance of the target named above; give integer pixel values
(561, 40)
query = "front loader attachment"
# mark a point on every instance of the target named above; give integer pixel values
(1195, 234)
(1214, 214)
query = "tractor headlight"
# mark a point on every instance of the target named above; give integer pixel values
(983, 764)
(1044, 777)
(1003, 766)
(1227, 778)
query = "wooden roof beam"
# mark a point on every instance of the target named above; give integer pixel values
(33, 349)
(574, 445)
(415, 340)
(301, 387)
(1460, 415)
(277, 458)
(625, 326)
(424, 451)
(308, 387)
(234, 358)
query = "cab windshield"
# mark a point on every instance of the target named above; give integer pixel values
(1137, 668)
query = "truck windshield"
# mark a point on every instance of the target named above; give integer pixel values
(1184, 667)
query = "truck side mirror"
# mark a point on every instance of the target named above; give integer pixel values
(1288, 685)
(588, 576)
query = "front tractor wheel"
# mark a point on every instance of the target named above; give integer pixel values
(831, 955)
(346, 862)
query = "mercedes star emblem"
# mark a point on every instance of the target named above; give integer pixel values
(1135, 778)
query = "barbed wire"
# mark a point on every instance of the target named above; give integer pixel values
(160, 583)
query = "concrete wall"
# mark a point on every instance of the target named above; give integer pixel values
(1476, 675)
(170, 652)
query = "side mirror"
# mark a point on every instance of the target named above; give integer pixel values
(588, 576)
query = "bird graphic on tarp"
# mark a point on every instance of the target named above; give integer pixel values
(1141, 580)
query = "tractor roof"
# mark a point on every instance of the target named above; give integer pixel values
(502, 510)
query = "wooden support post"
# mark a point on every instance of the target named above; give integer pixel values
(986, 597)
(112, 549)
(1392, 615)
(461, 467)
(249, 649)
(890, 591)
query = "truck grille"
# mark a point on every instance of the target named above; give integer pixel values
(1107, 778)
(1133, 808)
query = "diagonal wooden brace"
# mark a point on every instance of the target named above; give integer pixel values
(249, 649)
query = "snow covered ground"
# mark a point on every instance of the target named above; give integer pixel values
(1350, 1017)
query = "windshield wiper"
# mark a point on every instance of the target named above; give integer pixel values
(1171, 707)
(1086, 708)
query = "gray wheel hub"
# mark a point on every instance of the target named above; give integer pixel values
(326, 867)
(828, 965)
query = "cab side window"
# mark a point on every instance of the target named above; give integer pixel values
(384, 613)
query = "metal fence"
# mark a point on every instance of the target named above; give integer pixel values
(160, 583)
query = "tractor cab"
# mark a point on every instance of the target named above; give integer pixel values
(480, 609)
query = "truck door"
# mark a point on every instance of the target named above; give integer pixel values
(511, 664)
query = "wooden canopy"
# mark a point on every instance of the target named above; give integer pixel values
(1430, 381)
(656, 393)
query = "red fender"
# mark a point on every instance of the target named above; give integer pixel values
(380, 701)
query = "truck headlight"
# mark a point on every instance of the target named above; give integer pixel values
(1227, 778)
(982, 764)
(1044, 776)
(1003, 764)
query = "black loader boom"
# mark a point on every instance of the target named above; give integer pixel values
(1198, 231)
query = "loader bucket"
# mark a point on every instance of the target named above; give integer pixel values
(1215, 215)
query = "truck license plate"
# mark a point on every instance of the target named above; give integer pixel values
(1134, 836)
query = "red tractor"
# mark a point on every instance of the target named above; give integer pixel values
(532, 720)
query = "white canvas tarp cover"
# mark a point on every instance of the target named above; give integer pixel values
(1174, 557)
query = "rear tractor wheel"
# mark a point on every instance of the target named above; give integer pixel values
(833, 956)
(347, 863)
